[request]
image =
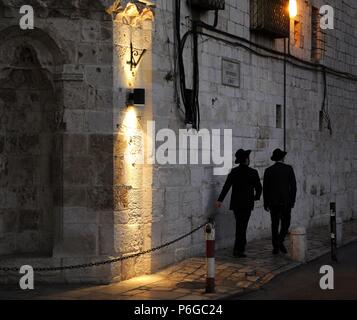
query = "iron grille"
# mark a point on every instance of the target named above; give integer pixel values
(206, 5)
(270, 17)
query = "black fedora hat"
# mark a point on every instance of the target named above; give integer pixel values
(278, 155)
(242, 155)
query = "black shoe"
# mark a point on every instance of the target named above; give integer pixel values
(283, 249)
(275, 251)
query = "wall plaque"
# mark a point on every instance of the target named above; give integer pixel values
(230, 73)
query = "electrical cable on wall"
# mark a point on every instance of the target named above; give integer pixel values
(181, 68)
(190, 97)
(324, 108)
(272, 51)
(176, 73)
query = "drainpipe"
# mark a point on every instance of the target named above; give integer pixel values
(285, 92)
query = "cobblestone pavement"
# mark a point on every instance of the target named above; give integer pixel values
(186, 280)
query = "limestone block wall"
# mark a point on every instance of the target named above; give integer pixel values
(74, 43)
(27, 107)
(325, 164)
(135, 216)
(88, 144)
(111, 197)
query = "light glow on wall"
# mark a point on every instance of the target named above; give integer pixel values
(130, 122)
(133, 29)
(131, 130)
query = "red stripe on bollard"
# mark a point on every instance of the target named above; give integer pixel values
(210, 244)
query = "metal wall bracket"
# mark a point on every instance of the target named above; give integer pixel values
(135, 57)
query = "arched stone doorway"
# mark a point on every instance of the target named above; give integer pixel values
(30, 147)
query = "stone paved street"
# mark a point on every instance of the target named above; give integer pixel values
(186, 280)
(302, 283)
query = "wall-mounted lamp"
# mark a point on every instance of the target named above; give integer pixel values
(292, 9)
(135, 57)
(136, 97)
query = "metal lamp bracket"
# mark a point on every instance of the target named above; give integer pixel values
(135, 56)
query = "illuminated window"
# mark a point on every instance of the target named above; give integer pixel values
(298, 37)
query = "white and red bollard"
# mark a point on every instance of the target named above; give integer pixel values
(210, 246)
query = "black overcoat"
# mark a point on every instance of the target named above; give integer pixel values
(246, 188)
(279, 186)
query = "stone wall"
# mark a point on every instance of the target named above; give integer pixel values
(135, 227)
(28, 109)
(325, 164)
(73, 43)
(105, 203)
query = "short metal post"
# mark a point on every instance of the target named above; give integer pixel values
(333, 231)
(210, 265)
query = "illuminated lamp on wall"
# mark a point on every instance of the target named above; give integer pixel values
(136, 97)
(292, 9)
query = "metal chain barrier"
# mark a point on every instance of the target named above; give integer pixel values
(96, 264)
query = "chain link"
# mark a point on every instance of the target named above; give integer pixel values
(110, 261)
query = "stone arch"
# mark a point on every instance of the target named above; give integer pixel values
(30, 141)
(13, 35)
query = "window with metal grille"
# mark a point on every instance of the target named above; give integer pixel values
(270, 17)
(317, 36)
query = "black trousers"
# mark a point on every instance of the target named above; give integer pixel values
(242, 219)
(280, 215)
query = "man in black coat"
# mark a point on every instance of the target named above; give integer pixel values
(279, 198)
(246, 188)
